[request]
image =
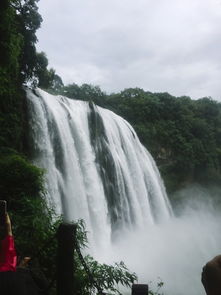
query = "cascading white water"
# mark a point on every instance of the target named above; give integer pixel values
(96, 167)
(98, 170)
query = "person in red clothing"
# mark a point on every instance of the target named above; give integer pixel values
(10, 283)
(8, 257)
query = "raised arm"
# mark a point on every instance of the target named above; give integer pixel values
(8, 226)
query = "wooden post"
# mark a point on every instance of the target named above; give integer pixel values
(139, 289)
(65, 259)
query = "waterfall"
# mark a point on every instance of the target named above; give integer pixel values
(97, 169)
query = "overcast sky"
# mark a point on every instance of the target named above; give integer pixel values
(159, 45)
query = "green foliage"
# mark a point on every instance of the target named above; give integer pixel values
(160, 284)
(10, 45)
(28, 21)
(34, 227)
(107, 277)
(84, 92)
(56, 84)
(44, 76)
(12, 72)
(19, 178)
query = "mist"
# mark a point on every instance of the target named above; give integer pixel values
(174, 252)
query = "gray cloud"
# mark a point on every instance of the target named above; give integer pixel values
(163, 45)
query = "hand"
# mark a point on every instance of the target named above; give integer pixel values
(7, 219)
(24, 262)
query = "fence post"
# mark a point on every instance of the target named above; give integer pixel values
(65, 259)
(140, 289)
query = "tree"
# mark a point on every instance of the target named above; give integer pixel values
(42, 74)
(57, 83)
(29, 20)
(11, 44)
(84, 92)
